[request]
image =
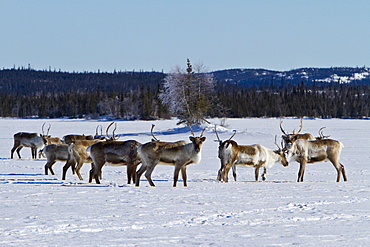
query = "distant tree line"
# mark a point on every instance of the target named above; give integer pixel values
(29, 82)
(330, 101)
(136, 95)
(142, 103)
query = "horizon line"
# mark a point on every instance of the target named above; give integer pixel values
(156, 71)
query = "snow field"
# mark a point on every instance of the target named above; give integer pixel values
(44, 210)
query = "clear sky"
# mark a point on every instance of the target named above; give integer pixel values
(91, 35)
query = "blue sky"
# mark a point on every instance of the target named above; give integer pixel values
(90, 35)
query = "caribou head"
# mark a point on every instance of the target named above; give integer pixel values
(289, 138)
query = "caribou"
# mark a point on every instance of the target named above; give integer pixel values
(34, 141)
(220, 147)
(31, 140)
(57, 152)
(257, 156)
(312, 151)
(77, 150)
(180, 156)
(49, 140)
(115, 153)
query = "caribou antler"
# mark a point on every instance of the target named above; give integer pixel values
(151, 132)
(192, 133)
(232, 135)
(47, 133)
(115, 127)
(321, 134)
(106, 131)
(97, 129)
(218, 138)
(300, 126)
(191, 130)
(279, 148)
(281, 127)
(42, 129)
(201, 134)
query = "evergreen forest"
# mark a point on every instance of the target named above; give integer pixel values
(29, 93)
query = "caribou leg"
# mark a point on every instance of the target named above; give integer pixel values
(264, 174)
(148, 175)
(184, 176)
(234, 171)
(49, 166)
(301, 171)
(19, 150)
(139, 173)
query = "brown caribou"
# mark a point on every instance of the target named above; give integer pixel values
(57, 152)
(180, 156)
(115, 153)
(257, 156)
(312, 151)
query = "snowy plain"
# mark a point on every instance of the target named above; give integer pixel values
(43, 210)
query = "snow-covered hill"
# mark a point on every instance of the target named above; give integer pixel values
(296, 76)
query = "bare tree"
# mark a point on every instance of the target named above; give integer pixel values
(188, 94)
(111, 107)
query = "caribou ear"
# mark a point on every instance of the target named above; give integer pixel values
(203, 138)
(191, 138)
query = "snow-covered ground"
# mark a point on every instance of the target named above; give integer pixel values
(43, 210)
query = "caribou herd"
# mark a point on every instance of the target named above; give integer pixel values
(75, 150)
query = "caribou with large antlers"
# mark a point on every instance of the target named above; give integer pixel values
(115, 153)
(257, 156)
(312, 151)
(154, 152)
